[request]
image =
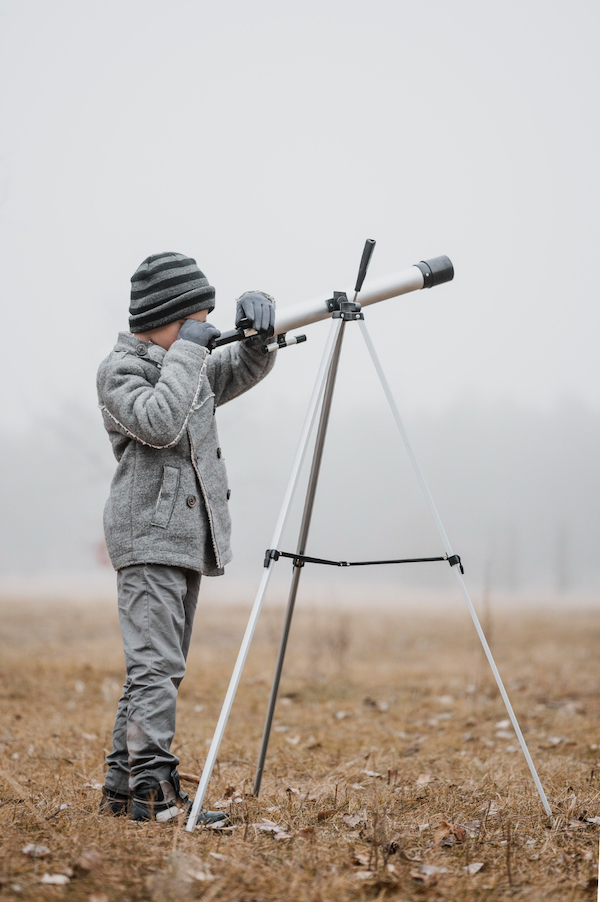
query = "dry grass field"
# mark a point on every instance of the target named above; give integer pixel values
(391, 774)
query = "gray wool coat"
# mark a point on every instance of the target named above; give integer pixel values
(168, 500)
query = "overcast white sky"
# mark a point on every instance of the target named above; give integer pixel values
(268, 140)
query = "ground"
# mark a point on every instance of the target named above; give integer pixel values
(392, 772)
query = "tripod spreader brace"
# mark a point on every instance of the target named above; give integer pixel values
(271, 554)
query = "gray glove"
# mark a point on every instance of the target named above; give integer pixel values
(258, 308)
(199, 333)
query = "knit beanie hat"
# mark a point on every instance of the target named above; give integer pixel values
(167, 287)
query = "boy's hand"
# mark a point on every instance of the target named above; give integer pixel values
(258, 308)
(199, 333)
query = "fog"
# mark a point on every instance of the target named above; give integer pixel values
(268, 141)
(516, 488)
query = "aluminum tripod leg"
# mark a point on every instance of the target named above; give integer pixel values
(285, 507)
(449, 552)
(300, 549)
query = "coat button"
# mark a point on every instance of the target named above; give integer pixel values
(219, 453)
(141, 350)
(228, 494)
(191, 500)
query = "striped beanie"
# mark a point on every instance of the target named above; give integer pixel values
(167, 287)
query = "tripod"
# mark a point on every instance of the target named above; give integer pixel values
(343, 312)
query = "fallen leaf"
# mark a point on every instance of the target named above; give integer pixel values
(202, 874)
(373, 773)
(36, 851)
(307, 832)
(353, 820)
(446, 833)
(424, 877)
(274, 829)
(406, 857)
(55, 879)
(459, 832)
(267, 825)
(325, 814)
(490, 809)
(430, 869)
(424, 779)
(218, 856)
(222, 804)
(473, 868)
(88, 861)
(369, 702)
(287, 699)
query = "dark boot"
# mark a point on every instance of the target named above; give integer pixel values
(165, 800)
(113, 803)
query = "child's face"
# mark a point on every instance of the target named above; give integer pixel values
(164, 336)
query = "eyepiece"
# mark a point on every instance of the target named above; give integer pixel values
(436, 271)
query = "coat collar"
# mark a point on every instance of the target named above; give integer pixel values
(145, 350)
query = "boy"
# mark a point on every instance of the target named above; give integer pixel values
(166, 521)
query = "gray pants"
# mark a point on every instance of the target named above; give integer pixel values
(156, 611)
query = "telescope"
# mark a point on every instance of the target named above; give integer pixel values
(341, 311)
(425, 274)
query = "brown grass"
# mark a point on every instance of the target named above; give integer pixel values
(387, 768)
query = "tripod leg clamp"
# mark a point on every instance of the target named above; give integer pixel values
(454, 560)
(271, 554)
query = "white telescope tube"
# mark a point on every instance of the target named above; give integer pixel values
(423, 275)
(299, 315)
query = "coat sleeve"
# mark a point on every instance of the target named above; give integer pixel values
(155, 415)
(234, 368)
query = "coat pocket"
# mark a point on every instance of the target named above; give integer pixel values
(166, 497)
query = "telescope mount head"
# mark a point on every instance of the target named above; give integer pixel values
(342, 308)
